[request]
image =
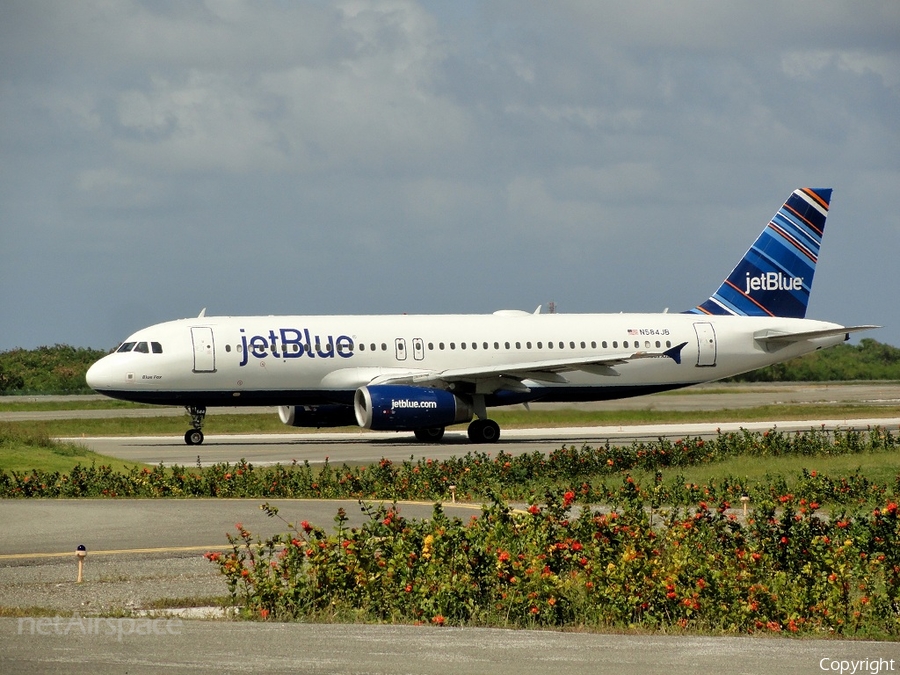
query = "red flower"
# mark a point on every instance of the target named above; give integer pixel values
(438, 620)
(264, 613)
(534, 510)
(568, 498)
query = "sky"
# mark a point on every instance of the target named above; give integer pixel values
(289, 157)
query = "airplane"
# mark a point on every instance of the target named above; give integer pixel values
(423, 373)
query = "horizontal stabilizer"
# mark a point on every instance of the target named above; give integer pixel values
(769, 336)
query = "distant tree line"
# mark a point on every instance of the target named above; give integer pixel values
(60, 369)
(869, 360)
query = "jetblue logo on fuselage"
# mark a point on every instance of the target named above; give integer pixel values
(773, 281)
(294, 343)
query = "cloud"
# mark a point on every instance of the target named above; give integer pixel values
(369, 156)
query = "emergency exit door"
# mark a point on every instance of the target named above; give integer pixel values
(706, 344)
(204, 349)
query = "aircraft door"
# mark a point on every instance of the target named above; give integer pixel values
(418, 349)
(400, 349)
(706, 344)
(204, 349)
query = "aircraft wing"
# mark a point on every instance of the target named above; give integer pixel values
(780, 338)
(510, 375)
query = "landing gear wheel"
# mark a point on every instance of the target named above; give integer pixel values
(430, 434)
(484, 431)
(193, 437)
(198, 414)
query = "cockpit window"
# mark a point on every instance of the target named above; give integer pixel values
(141, 347)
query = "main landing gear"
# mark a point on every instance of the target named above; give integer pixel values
(194, 436)
(484, 431)
(480, 431)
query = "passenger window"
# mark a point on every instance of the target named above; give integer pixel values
(657, 344)
(603, 344)
(518, 345)
(383, 347)
(496, 345)
(540, 345)
(484, 345)
(431, 346)
(441, 346)
(593, 344)
(571, 345)
(615, 344)
(549, 345)
(506, 344)
(452, 345)
(462, 345)
(528, 345)
(362, 346)
(668, 343)
(227, 348)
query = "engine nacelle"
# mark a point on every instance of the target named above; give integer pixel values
(328, 415)
(397, 407)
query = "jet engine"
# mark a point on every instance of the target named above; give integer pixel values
(397, 407)
(328, 415)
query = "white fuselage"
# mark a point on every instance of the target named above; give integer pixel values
(297, 360)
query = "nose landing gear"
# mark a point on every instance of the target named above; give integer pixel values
(194, 436)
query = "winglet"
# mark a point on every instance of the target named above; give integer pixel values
(675, 352)
(775, 276)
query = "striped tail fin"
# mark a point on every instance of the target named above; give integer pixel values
(775, 276)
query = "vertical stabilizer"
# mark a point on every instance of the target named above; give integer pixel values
(775, 276)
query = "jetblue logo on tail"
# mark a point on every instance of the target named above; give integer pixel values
(773, 281)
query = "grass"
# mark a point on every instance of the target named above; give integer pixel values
(882, 468)
(31, 449)
(37, 404)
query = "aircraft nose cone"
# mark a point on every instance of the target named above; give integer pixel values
(99, 375)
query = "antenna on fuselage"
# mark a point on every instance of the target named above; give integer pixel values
(202, 313)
